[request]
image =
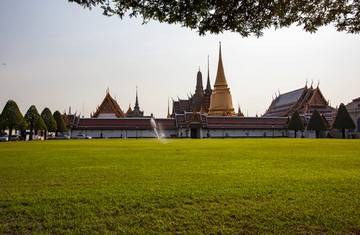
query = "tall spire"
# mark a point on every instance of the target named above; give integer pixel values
(168, 114)
(220, 100)
(220, 76)
(199, 85)
(208, 86)
(136, 107)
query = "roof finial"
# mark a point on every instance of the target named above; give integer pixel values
(318, 83)
(312, 81)
(306, 83)
(107, 90)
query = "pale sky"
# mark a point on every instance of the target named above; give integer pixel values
(56, 54)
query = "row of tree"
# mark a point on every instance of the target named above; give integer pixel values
(317, 122)
(12, 119)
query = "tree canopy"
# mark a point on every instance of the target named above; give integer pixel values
(12, 118)
(316, 123)
(295, 123)
(61, 127)
(246, 17)
(34, 120)
(48, 119)
(343, 119)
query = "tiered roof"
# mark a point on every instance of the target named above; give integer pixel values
(305, 100)
(109, 105)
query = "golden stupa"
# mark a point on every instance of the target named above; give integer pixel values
(221, 100)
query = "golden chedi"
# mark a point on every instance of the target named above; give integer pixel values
(221, 100)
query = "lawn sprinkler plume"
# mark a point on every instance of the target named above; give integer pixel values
(157, 129)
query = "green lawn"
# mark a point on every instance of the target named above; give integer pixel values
(281, 186)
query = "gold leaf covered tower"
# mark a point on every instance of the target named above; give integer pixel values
(221, 100)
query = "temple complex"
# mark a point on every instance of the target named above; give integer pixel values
(206, 114)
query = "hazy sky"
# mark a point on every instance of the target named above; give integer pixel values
(56, 54)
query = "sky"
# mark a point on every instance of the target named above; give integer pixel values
(58, 55)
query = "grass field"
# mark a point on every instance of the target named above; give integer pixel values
(281, 186)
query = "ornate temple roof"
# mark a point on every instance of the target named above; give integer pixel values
(305, 100)
(109, 105)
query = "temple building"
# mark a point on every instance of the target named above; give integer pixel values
(109, 108)
(221, 100)
(305, 100)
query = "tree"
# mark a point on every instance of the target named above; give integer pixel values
(61, 127)
(12, 118)
(295, 123)
(34, 120)
(316, 123)
(49, 120)
(343, 120)
(245, 17)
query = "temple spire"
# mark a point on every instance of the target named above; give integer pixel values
(136, 100)
(220, 76)
(168, 114)
(221, 100)
(208, 86)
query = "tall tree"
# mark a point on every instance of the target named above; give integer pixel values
(12, 118)
(49, 120)
(295, 123)
(245, 17)
(61, 127)
(316, 123)
(34, 121)
(343, 120)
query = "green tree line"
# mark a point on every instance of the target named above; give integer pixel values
(12, 119)
(317, 122)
